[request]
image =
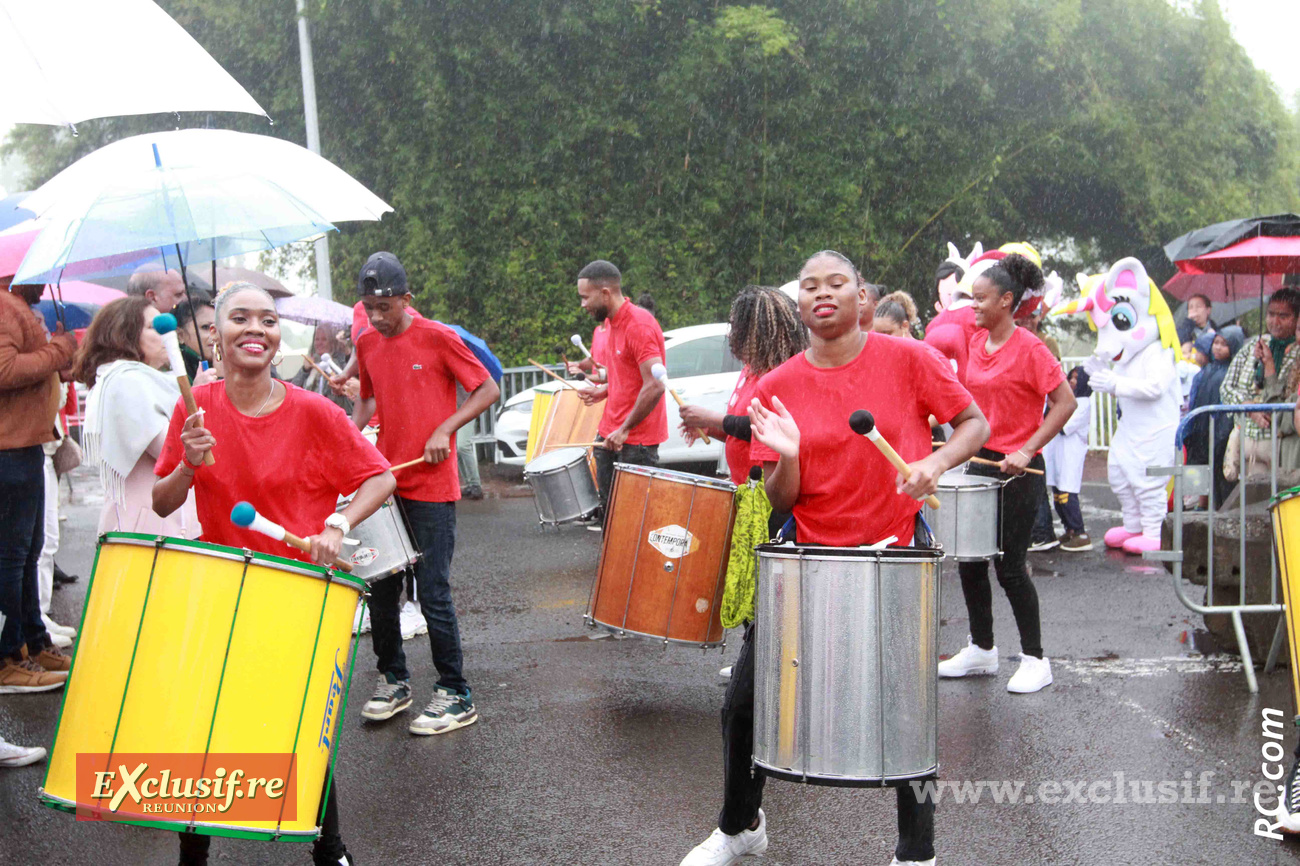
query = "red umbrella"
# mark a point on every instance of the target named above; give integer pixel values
(1257, 255)
(1220, 288)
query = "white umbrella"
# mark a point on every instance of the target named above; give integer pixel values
(191, 195)
(70, 60)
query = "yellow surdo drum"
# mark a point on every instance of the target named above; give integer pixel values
(1285, 509)
(188, 647)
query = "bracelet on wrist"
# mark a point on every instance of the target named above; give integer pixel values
(185, 461)
(1028, 456)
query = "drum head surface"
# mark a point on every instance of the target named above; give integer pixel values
(557, 459)
(675, 477)
(957, 478)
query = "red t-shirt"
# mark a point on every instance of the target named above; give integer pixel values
(1010, 386)
(634, 338)
(598, 338)
(361, 321)
(413, 379)
(846, 486)
(291, 464)
(950, 333)
(738, 456)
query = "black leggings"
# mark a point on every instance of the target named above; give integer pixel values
(328, 849)
(1016, 516)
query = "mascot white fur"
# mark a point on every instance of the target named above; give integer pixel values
(1137, 347)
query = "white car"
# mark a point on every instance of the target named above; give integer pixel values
(701, 369)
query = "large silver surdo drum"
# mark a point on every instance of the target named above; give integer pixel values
(966, 526)
(846, 646)
(563, 488)
(384, 546)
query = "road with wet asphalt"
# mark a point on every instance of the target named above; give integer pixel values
(601, 751)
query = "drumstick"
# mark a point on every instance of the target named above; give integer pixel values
(577, 341)
(245, 515)
(310, 363)
(981, 460)
(165, 325)
(408, 464)
(984, 462)
(864, 424)
(563, 382)
(661, 374)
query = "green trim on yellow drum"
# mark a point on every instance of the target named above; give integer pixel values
(190, 647)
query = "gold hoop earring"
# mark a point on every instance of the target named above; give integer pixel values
(216, 350)
(277, 359)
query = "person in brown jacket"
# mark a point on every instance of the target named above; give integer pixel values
(29, 393)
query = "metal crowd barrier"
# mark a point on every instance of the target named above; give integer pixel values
(1198, 480)
(513, 380)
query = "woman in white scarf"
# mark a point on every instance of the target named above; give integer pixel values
(127, 413)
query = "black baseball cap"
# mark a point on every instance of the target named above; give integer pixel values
(382, 276)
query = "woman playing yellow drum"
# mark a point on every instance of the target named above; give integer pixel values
(291, 452)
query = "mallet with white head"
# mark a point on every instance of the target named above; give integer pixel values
(165, 325)
(245, 515)
(864, 424)
(660, 373)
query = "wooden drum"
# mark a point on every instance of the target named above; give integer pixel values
(663, 560)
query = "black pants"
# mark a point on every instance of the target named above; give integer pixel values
(637, 455)
(1067, 505)
(1016, 516)
(743, 787)
(325, 851)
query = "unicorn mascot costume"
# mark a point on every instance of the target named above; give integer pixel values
(1137, 347)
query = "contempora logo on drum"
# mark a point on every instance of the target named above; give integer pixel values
(673, 541)
(186, 786)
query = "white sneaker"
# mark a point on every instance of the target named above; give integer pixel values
(54, 628)
(1032, 675)
(361, 622)
(412, 621)
(12, 755)
(725, 673)
(721, 850)
(59, 640)
(897, 862)
(971, 661)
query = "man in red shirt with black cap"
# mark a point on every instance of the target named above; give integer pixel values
(409, 370)
(635, 419)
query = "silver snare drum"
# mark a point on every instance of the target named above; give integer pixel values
(966, 526)
(846, 646)
(385, 546)
(563, 488)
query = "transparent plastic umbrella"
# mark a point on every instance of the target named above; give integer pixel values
(192, 195)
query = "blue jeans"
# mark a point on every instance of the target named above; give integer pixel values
(22, 535)
(433, 529)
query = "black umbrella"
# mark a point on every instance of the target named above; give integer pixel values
(1220, 236)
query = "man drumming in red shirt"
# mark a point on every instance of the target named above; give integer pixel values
(635, 420)
(409, 370)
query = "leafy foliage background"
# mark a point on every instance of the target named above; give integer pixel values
(702, 146)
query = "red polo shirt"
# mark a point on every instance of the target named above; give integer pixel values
(598, 343)
(413, 379)
(846, 486)
(634, 338)
(950, 333)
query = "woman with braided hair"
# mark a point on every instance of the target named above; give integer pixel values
(765, 333)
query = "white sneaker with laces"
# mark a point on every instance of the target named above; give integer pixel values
(1032, 675)
(412, 621)
(1289, 815)
(971, 661)
(13, 755)
(722, 850)
(54, 628)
